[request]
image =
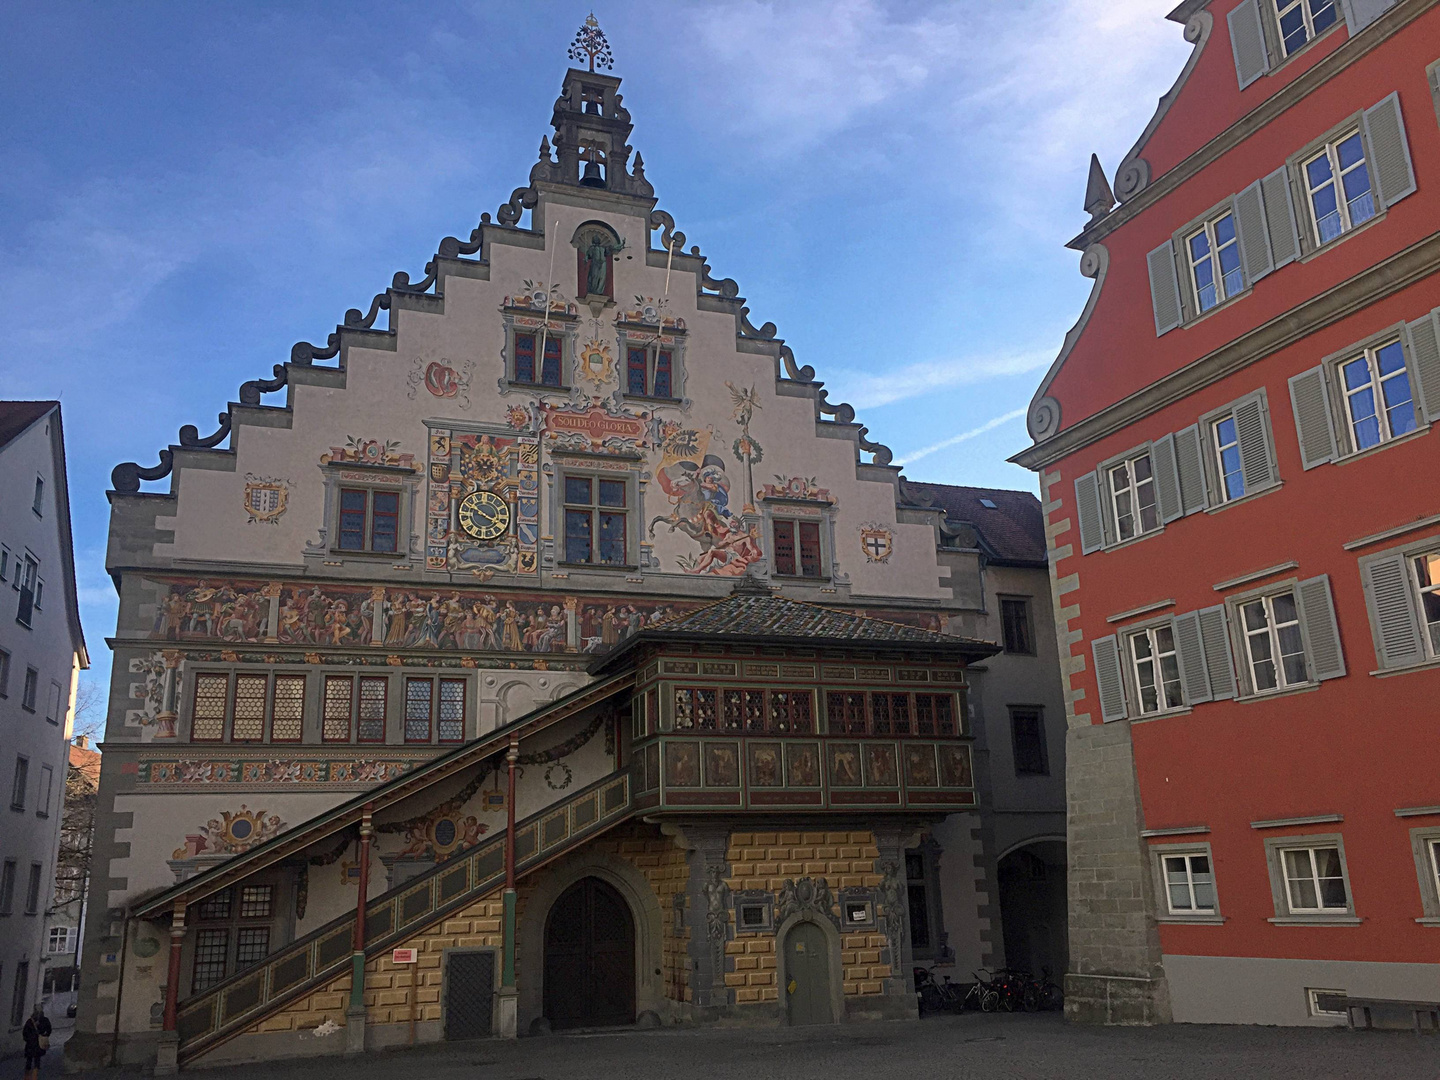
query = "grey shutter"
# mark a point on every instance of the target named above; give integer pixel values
(1425, 358)
(1254, 444)
(1254, 236)
(1190, 651)
(1310, 402)
(1087, 512)
(1167, 479)
(1318, 626)
(1247, 42)
(1107, 677)
(1390, 153)
(1190, 462)
(1392, 607)
(1164, 288)
(1361, 13)
(1280, 218)
(1215, 638)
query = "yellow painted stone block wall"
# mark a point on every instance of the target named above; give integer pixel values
(763, 860)
(481, 925)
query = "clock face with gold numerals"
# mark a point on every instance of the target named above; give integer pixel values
(484, 515)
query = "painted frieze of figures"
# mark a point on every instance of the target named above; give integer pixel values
(467, 620)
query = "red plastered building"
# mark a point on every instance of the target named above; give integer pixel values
(1238, 448)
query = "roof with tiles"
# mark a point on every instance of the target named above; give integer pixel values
(1010, 523)
(16, 416)
(752, 613)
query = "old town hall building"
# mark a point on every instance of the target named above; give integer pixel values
(556, 656)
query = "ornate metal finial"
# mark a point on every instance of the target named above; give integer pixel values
(590, 44)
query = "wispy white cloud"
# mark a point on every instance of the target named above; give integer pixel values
(873, 389)
(964, 436)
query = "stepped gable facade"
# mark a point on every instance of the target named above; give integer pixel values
(1235, 447)
(562, 631)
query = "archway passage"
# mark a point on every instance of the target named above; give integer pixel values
(1033, 908)
(807, 971)
(589, 958)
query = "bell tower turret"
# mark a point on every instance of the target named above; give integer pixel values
(592, 126)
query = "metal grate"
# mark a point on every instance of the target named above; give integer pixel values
(469, 994)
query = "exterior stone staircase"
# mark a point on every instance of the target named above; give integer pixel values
(235, 1005)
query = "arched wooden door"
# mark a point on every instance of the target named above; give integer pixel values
(589, 958)
(807, 973)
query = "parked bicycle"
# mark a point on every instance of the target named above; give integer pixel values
(935, 996)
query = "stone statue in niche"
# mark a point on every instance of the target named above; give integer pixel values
(596, 246)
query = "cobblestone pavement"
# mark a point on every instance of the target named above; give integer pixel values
(969, 1047)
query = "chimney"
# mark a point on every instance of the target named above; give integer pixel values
(81, 740)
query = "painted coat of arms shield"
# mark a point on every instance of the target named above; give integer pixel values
(265, 499)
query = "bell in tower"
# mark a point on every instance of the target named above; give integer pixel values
(592, 126)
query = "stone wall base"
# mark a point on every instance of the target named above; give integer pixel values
(87, 1050)
(1116, 999)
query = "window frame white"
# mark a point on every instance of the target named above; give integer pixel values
(1272, 629)
(1128, 463)
(1150, 633)
(1313, 878)
(65, 944)
(1186, 850)
(1370, 355)
(1214, 249)
(1329, 149)
(1429, 639)
(1285, 913)
(1278, 10)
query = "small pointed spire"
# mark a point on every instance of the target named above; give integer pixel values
(590, 44)
(639, 171)
(544, 148)
(1099, 199)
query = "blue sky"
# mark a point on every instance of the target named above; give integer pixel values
(189, 189)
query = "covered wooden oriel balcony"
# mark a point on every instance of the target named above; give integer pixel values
(751, 708)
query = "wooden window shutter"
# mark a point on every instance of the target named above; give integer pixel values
(1219, 662)
(1249, 208)
(1389, 151)
(1164, 288)
(1190, 462)
(1190, 651)
(1167, 479)
(1254, 443)
(1361, 13)
(1107, 677)
(1087, 512)
(1310, 402)
(1425, 359)
(1247, 42)
(1280, 218)
(1319, 628)
(1392, 612)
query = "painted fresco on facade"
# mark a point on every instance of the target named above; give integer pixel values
(239, 611)
(482, 507)
(360, 451)
(231, 833)
(266, 498)
(698, 486)
(442, 379)
(877, 542)
(212, 772)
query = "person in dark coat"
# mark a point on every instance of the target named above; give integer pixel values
(37, 1040)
